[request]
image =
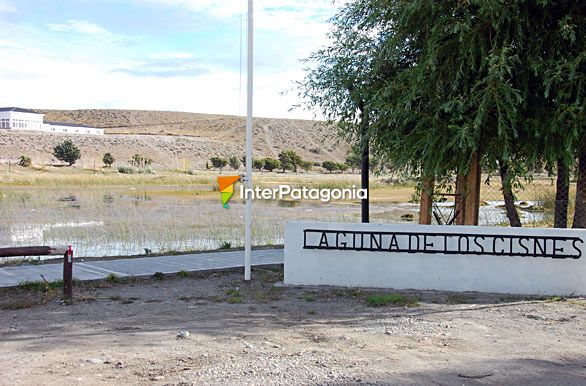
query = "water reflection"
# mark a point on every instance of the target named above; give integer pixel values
(126, 221)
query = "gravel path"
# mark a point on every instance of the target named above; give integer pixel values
(232, 332)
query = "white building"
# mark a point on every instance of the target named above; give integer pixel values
(14, 118)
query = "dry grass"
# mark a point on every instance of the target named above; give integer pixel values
(201, 182)
(103, 177)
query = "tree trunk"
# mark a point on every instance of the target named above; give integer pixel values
(364, 162)
(562, 195)
(473, 191)
(580, 206)
(512, 214)
(426, 201)
(460, 200)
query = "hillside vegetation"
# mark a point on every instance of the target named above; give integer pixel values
(174, 140)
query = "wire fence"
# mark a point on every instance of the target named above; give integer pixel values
(534, 202)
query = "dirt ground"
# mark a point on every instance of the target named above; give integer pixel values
(256, 333)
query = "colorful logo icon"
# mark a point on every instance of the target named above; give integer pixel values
(226, 185)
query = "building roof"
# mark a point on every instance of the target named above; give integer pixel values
(18, 110)
(70, 125)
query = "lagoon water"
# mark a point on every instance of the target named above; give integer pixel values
(119, 221)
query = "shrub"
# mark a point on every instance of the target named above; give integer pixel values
(112, 278)
(353, 159)
(108, 160)
(271, 164)
(330, 166)
(183, 273)
(126, 170)
(306, 165)
(218, 162)
(67, 152)
(226, 245)
(258, 164)
(25, 161)
(342, 167)
(234, 162)
(140, 161)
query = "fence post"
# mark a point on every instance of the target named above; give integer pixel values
(68, 274)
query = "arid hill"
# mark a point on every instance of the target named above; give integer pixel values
(175, 139)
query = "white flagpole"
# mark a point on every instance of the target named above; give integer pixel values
(248, 215)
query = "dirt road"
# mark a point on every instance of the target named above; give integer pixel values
(258, 334)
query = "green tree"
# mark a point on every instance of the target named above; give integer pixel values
(141, 161)
(219, 162)
(330, 166)
(353, 159)
(271, 164)
(342, 167)
(258, 164)
(290, 160)
(234, 162)
(434, 84)
(67, 152)
(108, 160)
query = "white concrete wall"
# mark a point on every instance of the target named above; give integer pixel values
(12, 120)
(73, 129)
(20, 121)
(433, 269)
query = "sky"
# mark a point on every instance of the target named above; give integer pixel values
(176, 55)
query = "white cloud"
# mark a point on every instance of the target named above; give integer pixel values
(86, 70)
(80, 26)
(95, 31)
(39, 79)
(6, 7)
(299, 17)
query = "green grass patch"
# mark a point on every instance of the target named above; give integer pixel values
(310, 298)
(112, 278)
(41, 286)
(266, 295)
(380, 300)
(183, 273)
(234, 296)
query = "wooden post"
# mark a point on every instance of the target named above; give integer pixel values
(472, 199)
(426, 202)
(68, 275)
